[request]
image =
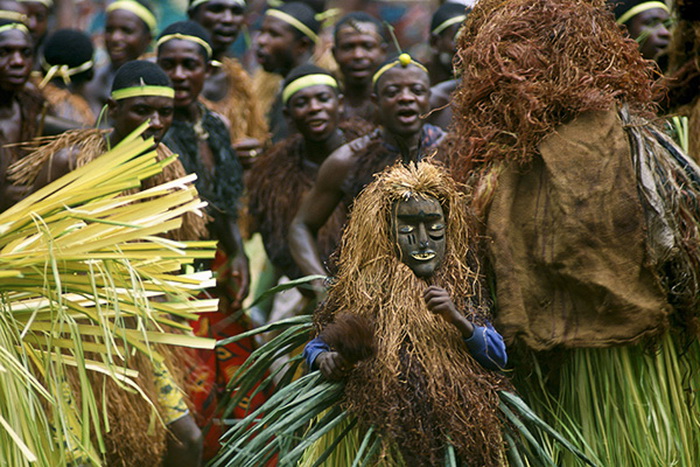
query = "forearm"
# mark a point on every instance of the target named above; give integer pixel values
(304, 249)
(313, 349)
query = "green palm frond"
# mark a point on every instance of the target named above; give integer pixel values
(81, 264)
(303, 423)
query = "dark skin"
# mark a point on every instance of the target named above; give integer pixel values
(402, 95)
(37, 20)
(358, 50)
(223, 20)
(126, 38)
(16, 61)
(443, 48)
(126, 115)
(418, 227)
(440, 99)
(315, 112)
(279, 47)
(187, 66)
(649, 29)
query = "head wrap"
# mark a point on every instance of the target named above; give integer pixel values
(447, 15)
(141, 78)
(625, 10)
(14, 16)
(187, 31)
(300, 16)
(143, 13)
(14, 25)
(46, 3)
(195, 3)
(66, 53)
(404, 60)
(305, 76)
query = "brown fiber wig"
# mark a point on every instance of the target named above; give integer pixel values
(422, 387)
(528, 67)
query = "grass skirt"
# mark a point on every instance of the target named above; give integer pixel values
(630, 405)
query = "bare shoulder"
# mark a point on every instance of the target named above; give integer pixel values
(338, 164)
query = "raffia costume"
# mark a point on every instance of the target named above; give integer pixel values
(591, 224)
(242, 106)
(276, 184)
(422, 389)
(135, 436)
(65, 104)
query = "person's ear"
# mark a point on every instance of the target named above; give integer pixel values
(210, 68)
(111, 108)
(434, 40)
(341, 100)
(285, 111)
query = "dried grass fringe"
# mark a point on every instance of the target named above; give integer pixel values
(528, 67)
(423, 386)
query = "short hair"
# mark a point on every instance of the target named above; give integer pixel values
(189, 28)
(147, 5)
(305, 70)
(303, 13)
(69, 47)
(138, 72)
(445, 12)
(355, 17)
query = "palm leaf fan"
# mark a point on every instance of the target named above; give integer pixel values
(80, 264)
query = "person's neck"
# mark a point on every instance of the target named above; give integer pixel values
(408, 145)
(191, 113)
(7, 100)
(317, 151)
(357, 94)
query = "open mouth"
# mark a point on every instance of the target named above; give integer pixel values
(423, 255)
(316, 124)
(407, 116)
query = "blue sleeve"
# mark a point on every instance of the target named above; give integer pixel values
(487, 347)
(311, 350)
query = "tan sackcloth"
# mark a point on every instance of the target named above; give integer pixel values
(566, 238)
(241, 106)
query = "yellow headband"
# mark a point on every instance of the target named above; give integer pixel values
(20, 26)
(305, 82)
(449, 22)
(13, 16)
(137, 91)
(62, 71)
(292, 21)
(196, 3)
(404, 60)
(136, 8)
(185, 37)
(46, 3)
(635, 10)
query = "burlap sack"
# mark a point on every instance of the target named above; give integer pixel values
(567, 243)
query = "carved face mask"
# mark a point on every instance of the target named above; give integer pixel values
(419, 227)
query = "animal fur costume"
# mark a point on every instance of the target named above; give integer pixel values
(240, 106)
(591, 217)
(422, 386)
(681, 88)
(89, 144)
(276, 184)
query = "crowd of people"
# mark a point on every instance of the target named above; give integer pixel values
(520, 202)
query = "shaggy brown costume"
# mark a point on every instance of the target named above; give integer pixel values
(276, 184)
(240, 106)
(422, 386)
(526, 71)
(572, 249)
(90, 144)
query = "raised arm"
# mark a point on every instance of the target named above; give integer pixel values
(316, 207)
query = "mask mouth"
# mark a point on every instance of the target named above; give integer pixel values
(423, 255)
